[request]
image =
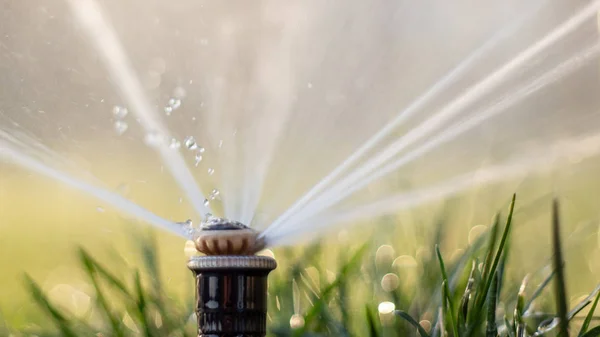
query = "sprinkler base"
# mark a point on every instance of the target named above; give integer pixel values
(231, 294)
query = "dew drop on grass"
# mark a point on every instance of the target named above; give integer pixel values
(121, 127)
(119, 112)
(190, 143)
(211, 171)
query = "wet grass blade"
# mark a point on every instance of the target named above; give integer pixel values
(447, 295)
(59, 319)
(491, 327)
(589, 316)
(559, 282)
(412, 321)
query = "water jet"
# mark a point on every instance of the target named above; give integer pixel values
(231, 281)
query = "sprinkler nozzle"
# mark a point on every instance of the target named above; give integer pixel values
(219, 236)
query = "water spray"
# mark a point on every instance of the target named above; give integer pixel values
(231, 281)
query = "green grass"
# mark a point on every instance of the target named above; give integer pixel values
(468, 295)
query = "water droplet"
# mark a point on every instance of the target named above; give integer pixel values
(119, 112)
(188, 226)
(211, 171)
(121, 127)
(214, 194)
(175, 144)
(206, 202)
(190, 143)
(168, 110)
(174, 103)
(198, 158)
(201, 149)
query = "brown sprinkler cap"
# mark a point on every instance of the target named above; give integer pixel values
(218, 236)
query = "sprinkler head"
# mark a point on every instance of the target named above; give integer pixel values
(231, 282)
(218, 236)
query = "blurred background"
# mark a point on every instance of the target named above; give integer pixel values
(292, 88)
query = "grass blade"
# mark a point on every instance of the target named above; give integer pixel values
(492, 328)
(595, 332)
(447, 295)
(317, 308)
(371, 323)
(59, 319)
(559, 282)
(463, 309)
(509, 328)
(89, 266)
(412, 321)
(588, 317)
(492, 270)
(142, 305)
(539, 290)
(493, 237)
(89, 262)
(519, 312)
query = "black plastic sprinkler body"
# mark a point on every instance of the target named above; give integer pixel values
(231, 282)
